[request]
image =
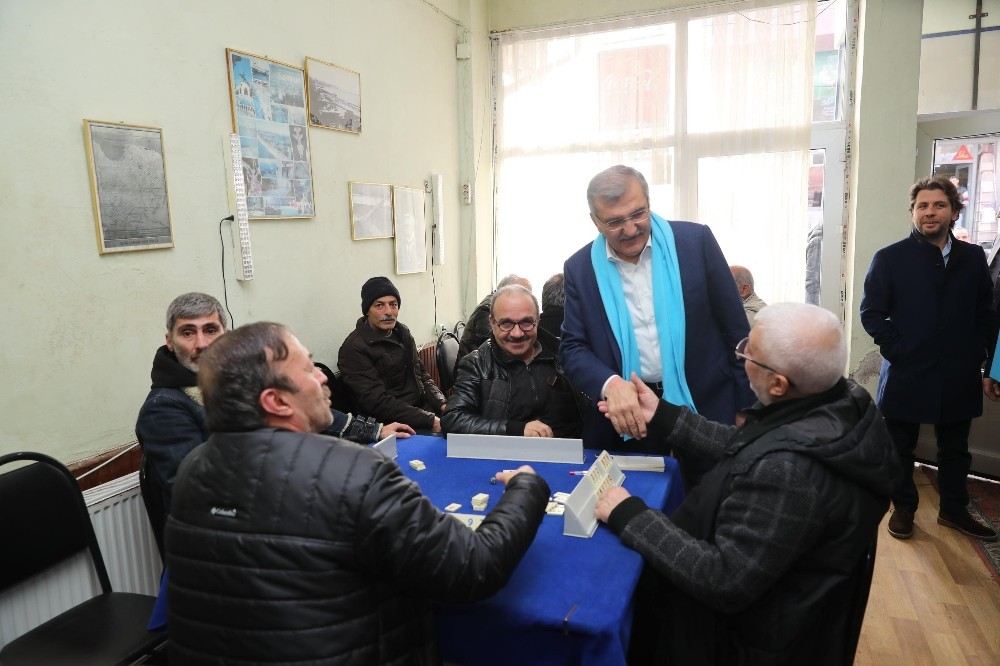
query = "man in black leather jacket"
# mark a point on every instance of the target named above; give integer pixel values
(511, 385)
(289, 546)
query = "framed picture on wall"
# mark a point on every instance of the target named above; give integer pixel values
(269, 113)
(411, 229)
(371, 210)
(334, 96)
(128, 183)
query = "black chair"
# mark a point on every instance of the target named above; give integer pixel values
(340, 398)
(447, 359)
(43, 522)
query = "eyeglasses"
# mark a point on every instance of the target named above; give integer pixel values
(616, 223)
(741, 347)
(507, 325)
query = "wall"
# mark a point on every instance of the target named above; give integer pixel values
(80, 329)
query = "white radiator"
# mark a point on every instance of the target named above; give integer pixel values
(130, 555)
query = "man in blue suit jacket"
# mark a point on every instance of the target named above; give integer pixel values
(713, 317)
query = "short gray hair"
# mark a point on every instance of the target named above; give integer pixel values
(804, 342)
(514, 279)
(742, 276)
(611, 185)
(554, 292)
(192, 305)
(511, 290)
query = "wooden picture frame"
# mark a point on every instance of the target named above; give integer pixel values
(334, 95)
(128, 184)
(268, 103)
(371, 210)
(410, 228)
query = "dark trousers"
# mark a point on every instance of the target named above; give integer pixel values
(953, 463)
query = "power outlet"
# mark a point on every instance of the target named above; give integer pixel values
(467, 193)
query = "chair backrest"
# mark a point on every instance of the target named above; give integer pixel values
(340, 398)
(447, 359)
(459, 329)
(43, 520)
(428, 359)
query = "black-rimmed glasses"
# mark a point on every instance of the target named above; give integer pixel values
(507, 325)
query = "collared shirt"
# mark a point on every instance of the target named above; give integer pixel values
(637, 285)
(946, 251)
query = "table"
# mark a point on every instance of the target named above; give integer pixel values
(570, 600)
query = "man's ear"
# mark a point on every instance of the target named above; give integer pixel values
(272, 401)
(779, 386)
(166, 340)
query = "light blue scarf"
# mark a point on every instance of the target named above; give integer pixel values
(668, 308)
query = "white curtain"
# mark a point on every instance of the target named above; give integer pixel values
(713, 106)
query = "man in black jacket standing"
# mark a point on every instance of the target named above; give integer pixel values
(289, 546)
(768, 560)
(380, 366)
(511, 385)
(927, 305)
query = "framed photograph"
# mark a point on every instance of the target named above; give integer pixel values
(334, 96)
(128, 183)
(371, 210)
(269, 113)
(411, 229)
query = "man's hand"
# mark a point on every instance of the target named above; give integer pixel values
(648, 401)
(437, 425)
(401, 430)
(991, 389)
(537, 429)
(611, 498)
(505, 476)
(623, 408)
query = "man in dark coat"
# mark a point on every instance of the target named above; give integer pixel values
(927, 305)
(380, 366)
(553, 306)
(700, 322)
(768, 560)
(286, 546)
(512, 385)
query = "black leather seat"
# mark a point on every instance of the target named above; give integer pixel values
(43, 522)
(447, 359)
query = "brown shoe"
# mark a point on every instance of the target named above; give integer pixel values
(901, 523)
(966, 524)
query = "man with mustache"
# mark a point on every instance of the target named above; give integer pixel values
(927, 304)
(379, 364)
(654, 297)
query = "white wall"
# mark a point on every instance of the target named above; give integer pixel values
(78, 329)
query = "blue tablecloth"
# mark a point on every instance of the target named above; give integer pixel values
(570, 600)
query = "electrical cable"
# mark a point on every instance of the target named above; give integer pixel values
(225, 289)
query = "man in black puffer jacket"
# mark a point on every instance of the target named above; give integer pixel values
(511, 385)
(288, 546)
(768, 560)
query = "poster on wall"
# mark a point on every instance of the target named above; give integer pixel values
(334, 96)
(371, 210)
(410, 228)
(269, 113)
(128, 184)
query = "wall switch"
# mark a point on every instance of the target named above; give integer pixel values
(467, 193)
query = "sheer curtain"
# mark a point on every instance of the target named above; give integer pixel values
(713, 106)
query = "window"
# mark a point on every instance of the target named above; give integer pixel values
(716, 110)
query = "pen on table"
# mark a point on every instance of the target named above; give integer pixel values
(578, 472)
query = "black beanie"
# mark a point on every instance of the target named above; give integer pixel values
(376, 288)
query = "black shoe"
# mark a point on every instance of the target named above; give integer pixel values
(901, 523)
(967, 525)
